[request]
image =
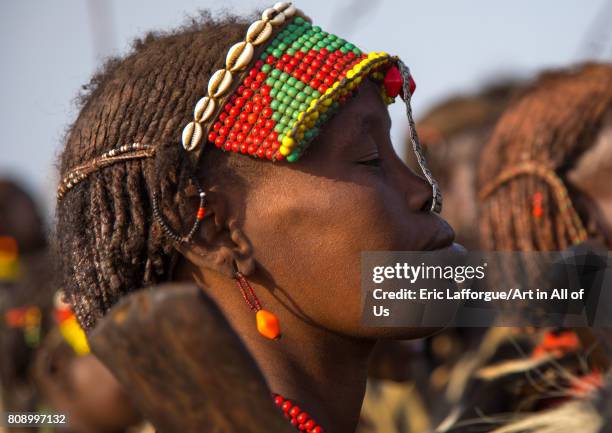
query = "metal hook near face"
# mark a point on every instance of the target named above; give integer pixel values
(436, 203)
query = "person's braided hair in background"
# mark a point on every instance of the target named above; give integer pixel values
(555, 122)
(106, 237)
(531, 202)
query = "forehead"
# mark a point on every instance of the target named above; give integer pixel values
(366, 104)
(362, 115)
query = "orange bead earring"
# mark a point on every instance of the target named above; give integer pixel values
(267, 322)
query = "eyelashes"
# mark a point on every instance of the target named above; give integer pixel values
(374, 162)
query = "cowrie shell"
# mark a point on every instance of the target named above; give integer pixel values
(219, 83)
(290, 11)
(204, 109)
(259, 32)
(286, 8)
(239, 56)
(278, 19)
(281, 6)
(268, 14)
(192, 135)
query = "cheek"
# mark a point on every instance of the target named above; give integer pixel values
(310, 239)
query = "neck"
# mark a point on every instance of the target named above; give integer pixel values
(325, 374)
(322, 372)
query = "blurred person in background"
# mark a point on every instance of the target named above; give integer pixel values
(25, 295)
(73, 382)
(549, 157)
(544, 186)
(39, 370)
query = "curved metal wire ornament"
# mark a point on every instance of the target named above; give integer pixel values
(436, 203)
(171, 233)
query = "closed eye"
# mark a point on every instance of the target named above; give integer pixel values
(374, 162)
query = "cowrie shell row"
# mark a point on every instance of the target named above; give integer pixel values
(204, 109)
(192, 135)
(219, 83)
(259, 32)
(239, 56)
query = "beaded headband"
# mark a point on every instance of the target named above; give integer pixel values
(278, 88)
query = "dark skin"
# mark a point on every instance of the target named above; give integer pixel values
(349, 193)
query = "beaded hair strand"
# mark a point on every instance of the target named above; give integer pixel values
(120, 154)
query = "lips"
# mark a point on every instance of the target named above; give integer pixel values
(442, 238)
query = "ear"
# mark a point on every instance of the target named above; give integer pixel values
(220, 244)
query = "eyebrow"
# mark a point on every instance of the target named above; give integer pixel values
(368, 118)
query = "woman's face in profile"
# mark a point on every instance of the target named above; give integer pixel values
(350, 192)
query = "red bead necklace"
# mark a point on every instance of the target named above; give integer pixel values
(300, 419)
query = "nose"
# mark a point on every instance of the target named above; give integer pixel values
(419, 194)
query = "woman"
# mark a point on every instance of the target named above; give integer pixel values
(284, 236)
(39, 370)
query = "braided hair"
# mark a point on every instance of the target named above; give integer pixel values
(541, 136)
(107, 241)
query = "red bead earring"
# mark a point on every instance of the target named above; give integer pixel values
(267, 323)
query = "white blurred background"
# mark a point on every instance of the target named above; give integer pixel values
(50, 48)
